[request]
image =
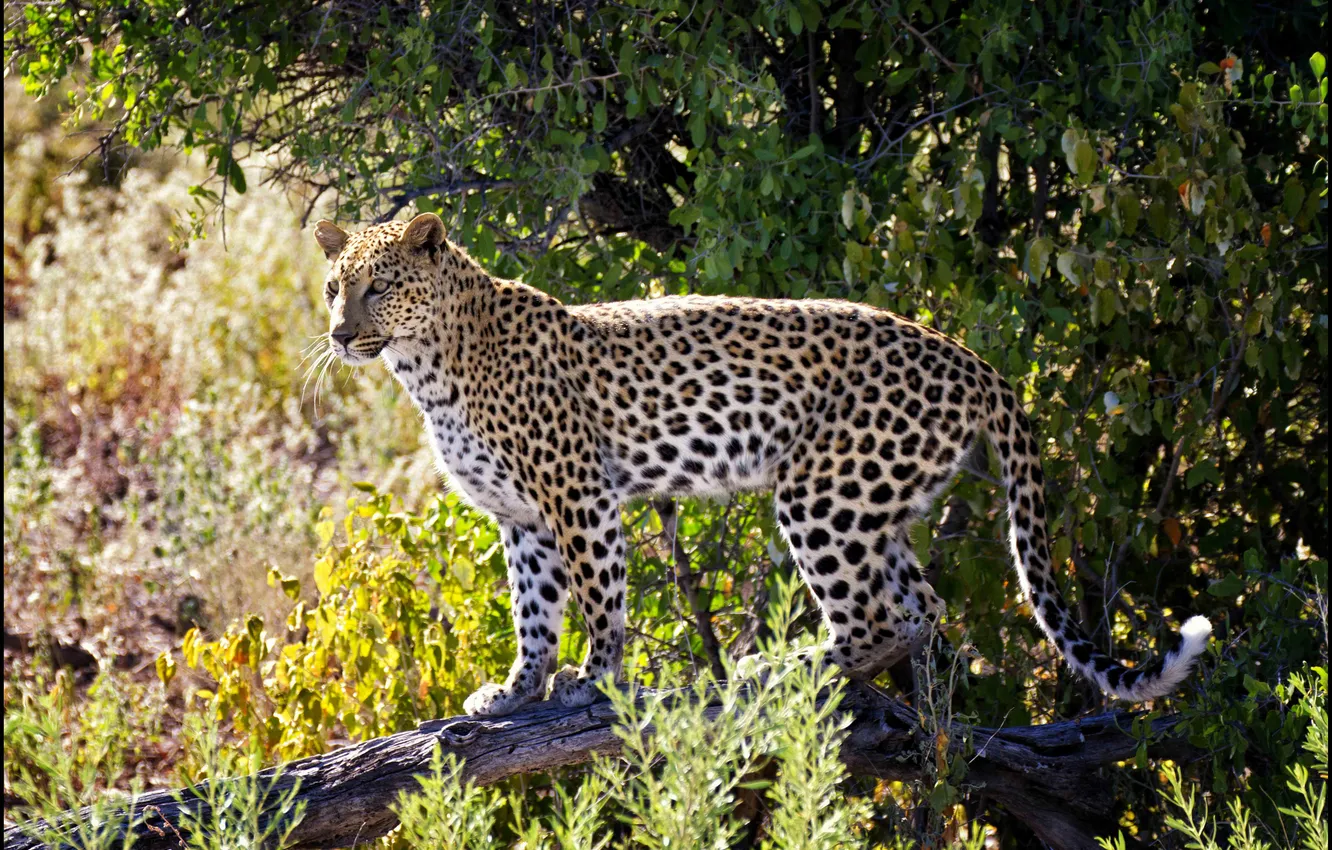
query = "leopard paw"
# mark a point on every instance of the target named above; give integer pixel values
(492, 700)
(572, 688)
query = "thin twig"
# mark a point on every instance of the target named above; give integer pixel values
(688, 582)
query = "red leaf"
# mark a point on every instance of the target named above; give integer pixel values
(1172, 530)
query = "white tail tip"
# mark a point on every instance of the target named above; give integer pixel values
(1196, 633)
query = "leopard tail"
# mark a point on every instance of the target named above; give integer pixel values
(1011, 435)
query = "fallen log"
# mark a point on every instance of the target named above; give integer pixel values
(1047, 776)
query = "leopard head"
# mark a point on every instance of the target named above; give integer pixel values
(383, 284)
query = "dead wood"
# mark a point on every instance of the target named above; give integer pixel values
(1052, 777)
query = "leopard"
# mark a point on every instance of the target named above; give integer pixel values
(550, 417)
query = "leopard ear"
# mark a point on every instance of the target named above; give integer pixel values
(424, 233)
(330, 237)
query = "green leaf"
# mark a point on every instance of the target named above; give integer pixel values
(1086, 158)
(1159, 218)
(465, 572)
(1069, 143)
(1038, 257)
(324, 530)
(898, 79)
(698, 130)
(291, 586)
(323, 575)
(237, 176)
(166, 667)
(1253, 323)
(1068, 266)
(1228, 587)
(1255, 687)
(1204, 470)
(264, 76)
(1319, 64)
(1129, 209)
(1293, 197)
(919, 534)
(808, 150)
(1063, 549)
(1107, 305)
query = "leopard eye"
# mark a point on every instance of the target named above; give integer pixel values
(331, 291)
(378, 286)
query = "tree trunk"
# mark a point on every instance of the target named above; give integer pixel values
(1048, 776)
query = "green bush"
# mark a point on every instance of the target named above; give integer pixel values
(390, 637)
(1118, 212)
(242, 812)
(62, 752)
(1301, 821)
(688, 754)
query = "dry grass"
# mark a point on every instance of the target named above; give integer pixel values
(160, 455)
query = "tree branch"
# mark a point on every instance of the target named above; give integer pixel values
(404, 197)
(1048, 776)
(688, 581)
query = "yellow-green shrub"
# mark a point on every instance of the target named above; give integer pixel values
(392, 638)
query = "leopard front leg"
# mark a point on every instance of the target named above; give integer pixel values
(538, 585)
(591, 541)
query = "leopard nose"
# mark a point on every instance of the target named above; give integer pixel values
(343, 338)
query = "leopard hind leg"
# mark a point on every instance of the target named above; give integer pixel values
(858, 564)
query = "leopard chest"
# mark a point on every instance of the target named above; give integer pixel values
(474, 469)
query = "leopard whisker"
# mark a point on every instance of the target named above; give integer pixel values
(316, 371)
(310, 370)
(313, 346)
(323, 373)
(311, 350)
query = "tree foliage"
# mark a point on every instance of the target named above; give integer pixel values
(1123, 207)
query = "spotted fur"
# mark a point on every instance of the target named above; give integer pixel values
(549, 417)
